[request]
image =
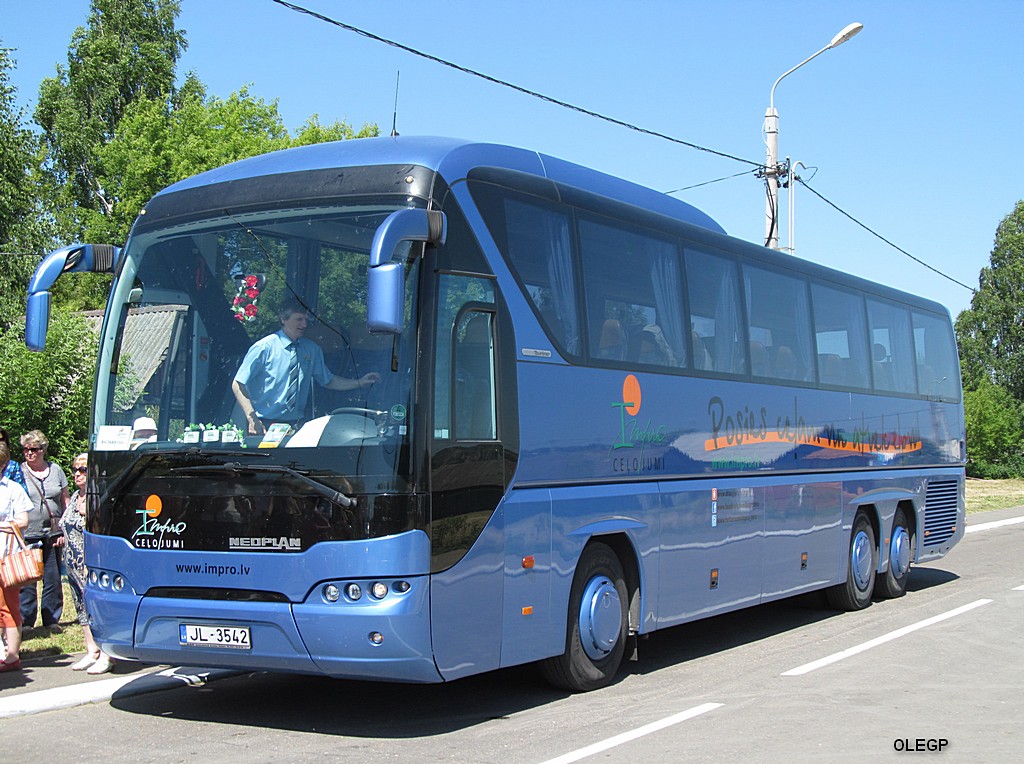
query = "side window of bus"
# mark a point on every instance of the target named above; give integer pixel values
(535, 237)
(840, 328)
(779, 325)
(935, 354)
(633, 284)
(465, 377)
(474, 379)
(716, 328)
(892, 350)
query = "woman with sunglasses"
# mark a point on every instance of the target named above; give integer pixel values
(73, 524)
(13, 470)
(48, 491)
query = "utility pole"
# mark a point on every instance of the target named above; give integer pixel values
(772, 169)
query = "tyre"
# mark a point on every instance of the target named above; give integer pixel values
(855, 593)
(893, 583)
(597, 624)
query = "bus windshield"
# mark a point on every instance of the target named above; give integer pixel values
(196, 302)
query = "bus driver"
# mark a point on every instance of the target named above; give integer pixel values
(276, 375)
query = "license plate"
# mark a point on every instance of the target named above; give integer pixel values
(205, 635)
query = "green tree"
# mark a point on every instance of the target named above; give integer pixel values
(990, 333)
(21, 229)
(314, 132)
(160, 141)
(52, 390)
(128, 50)
(995, 431)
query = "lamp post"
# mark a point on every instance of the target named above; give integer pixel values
(771, 129)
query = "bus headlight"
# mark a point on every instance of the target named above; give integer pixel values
(353, 592)
(379, 590)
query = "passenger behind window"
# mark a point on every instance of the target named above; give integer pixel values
(613, 341)
(786, 366)
(882, 367)
(650, 347)
(701, 357)
(830, 367)
(760, 366)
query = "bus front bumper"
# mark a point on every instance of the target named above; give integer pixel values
(386, 639)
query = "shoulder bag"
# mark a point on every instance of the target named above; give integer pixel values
(22, 564)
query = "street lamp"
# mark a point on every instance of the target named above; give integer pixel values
(771, 130)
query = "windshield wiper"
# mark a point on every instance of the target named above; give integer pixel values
(321, 489)
(136, 467)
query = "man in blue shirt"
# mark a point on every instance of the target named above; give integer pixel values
(276, 375)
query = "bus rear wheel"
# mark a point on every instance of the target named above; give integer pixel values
(597, 625)
(893, 583)
(855, 593)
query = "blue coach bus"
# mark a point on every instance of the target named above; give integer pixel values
(597, 416)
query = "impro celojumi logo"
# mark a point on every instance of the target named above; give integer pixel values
(635, 433)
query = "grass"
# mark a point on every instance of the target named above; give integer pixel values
(982, 496)
(41, 642)
(985, 495)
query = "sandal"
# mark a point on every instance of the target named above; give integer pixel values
(84, 663)
(14, 665)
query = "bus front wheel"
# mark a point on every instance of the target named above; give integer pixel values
(855, 593)
(597, 624)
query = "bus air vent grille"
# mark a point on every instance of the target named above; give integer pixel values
(940, 511)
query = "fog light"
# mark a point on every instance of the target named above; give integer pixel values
(105, 580)
(379, 590)
(376, 638)
(400, 587)
(118, 583)
(331, 593)
(353, 592)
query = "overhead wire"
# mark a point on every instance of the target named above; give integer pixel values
(758, 166)
(504, 83)
(877, 235)
(709, 182)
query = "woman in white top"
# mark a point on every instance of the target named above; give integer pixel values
(14, 509)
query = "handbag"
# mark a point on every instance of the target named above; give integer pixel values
(22, 564)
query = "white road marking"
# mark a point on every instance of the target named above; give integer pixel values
(993, 524)
(808, 667)
(1019, 588)
(625, 737)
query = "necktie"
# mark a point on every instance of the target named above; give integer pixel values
(293, 377)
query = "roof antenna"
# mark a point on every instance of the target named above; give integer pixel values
(394, 119)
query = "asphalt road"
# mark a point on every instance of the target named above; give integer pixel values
(938, 673)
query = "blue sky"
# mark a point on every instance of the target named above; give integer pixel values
(914, 124)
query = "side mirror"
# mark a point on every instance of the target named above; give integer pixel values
(37, 320)
(97, 258)
(386, 283)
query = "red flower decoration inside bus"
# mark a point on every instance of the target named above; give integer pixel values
(244, 304)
